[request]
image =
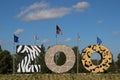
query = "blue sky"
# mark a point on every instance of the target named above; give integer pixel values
(89, 18)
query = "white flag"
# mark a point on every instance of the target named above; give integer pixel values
(36, 37)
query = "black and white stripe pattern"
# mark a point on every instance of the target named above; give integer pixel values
(32, 53)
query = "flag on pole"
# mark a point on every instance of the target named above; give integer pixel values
(16, 38)
(99, 41)
(58, 30)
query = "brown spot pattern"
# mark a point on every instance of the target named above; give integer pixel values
(105, 54)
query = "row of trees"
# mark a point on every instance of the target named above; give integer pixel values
(6, 62)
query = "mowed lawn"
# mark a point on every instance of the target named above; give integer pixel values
(66, 76)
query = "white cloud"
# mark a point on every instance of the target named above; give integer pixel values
(35, 6)
(81, 6)
(46, 14)
(68, 40)
(18, 31)
(42, 11)
(45, 41)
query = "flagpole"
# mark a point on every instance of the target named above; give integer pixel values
(15, 41)
(99, 41)
(56, 39)
(97, 53)
(58, 31)
(13, 58)
(78, 39)
(56, 44)
(35, 40)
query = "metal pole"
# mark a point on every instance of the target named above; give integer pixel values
(56, 53)
(56, 39)
(13, 58)
(36, 38)
(13, 64)
(78, 39)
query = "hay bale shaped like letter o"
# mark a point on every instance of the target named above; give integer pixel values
(70, 58)
(105, 55)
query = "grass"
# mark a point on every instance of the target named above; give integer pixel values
(67, 76)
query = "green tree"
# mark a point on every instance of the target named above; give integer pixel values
(112, 67)
(76, 51)
(81, 68)
(74, 69)
(118, 63)
(41, 60)
(5, 62)
(0, 48)
(59, 58)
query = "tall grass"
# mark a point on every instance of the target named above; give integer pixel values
(66, 76)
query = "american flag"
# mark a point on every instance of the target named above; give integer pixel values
(58, 30)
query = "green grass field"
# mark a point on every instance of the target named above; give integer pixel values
(67, 76)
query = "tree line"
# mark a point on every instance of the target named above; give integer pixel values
(7, 65)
